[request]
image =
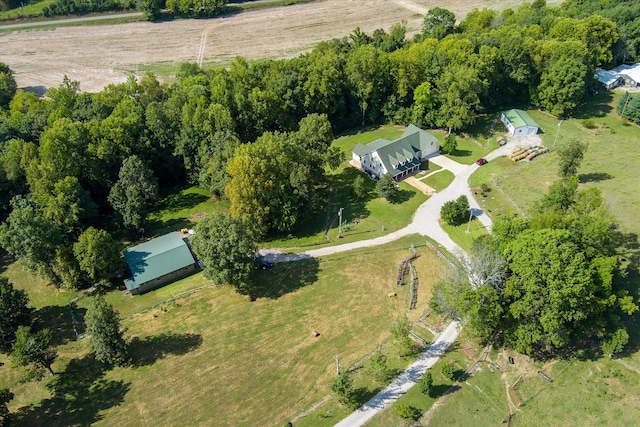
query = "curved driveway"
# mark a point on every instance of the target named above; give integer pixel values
(425, 219)
(425, 222)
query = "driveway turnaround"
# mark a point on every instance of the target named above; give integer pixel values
(405, 381)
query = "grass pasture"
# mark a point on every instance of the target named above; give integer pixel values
(258, 361)
(609, 164)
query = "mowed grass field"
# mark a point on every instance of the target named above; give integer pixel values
(587, 391)
(213, 355)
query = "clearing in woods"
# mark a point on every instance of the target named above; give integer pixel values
(97, 55)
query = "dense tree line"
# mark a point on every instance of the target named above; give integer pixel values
(629, 107)
(259, 133)
(81, 7)
(153, 9)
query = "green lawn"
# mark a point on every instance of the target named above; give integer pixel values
(373, 213)
(460, 235)
(439, 180)
(468, 150)
(182, 207)
(217, 347)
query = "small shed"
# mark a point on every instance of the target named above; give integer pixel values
(630, 74)
(158, 262)
(608, 79)
(519, 122)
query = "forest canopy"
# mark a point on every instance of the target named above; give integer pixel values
(259, 133)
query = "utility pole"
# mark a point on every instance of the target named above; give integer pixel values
(337, 364)
(340, 224)
(557, 132)
(469, 223)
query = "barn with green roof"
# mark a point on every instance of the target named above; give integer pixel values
(400, 158)
(519, 122)
(158, 262)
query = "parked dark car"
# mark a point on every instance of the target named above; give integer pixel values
(481, 162)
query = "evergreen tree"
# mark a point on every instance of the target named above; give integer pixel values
(386, 187)
(103, 326)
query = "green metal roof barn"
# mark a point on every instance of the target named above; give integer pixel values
(158, 262)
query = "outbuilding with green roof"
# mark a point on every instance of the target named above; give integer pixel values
(519, 122)
(158, 262)
(400, 158)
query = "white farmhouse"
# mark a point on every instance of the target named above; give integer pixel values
(400, 158)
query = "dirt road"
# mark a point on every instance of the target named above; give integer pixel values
(97, 55)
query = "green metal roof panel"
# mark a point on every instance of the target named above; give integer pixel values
(156, 258)
(360, 149)
(394, 153)
(519, 118)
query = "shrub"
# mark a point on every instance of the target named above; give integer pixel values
(589, 123)
(455, 212)
(405, 411)
(426, 384)
(360, 189)
(450, 144)
(378, 368)
(342, 387)
(449, 371)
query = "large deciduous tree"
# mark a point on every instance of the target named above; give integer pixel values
(135, 193)
(271, 181)
(461, 88)
(34, 350)
(227, 248)
(30, 237)
(13, 313)
(562, 86)
(103, 327)
(554, 290)
(367, 72)
(438, 23)
(98, 254)
(7, 84)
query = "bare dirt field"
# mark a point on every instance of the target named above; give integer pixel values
(97, 55)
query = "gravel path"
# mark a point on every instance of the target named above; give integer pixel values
(405, 381)
(425, 222)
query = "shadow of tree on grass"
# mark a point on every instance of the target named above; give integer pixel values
(284, 278)
(58, 319)
(594, 177)
(80, 393)
(443, 389)
(146, 351)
